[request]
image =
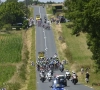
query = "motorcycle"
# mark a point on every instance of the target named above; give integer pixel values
(68, 76)
(61, 69)
(49, 77)
(74, 80)
(42, 78)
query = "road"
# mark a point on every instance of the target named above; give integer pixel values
(45, 42)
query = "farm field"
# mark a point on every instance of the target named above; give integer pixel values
(10, 56)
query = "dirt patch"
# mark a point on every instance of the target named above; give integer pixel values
(64, 46)
(59, 28)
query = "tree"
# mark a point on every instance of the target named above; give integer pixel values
(12, 13)
(85, 14)
(11, 0)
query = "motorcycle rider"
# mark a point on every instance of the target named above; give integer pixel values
(61, 67)
(42, 74)
(67, 74)
(55, 55)
(48, 75)
(74, 76)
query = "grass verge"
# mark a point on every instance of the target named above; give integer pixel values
(32, 73)
(32, 80)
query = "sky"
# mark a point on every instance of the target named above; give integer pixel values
(41, 0)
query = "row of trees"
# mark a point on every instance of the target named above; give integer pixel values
(85, 14)
(12, 12)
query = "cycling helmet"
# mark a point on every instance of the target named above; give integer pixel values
(73, 72)
(67, 70)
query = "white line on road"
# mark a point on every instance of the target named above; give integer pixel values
(45, 40)
(44, 33)
(39, 12)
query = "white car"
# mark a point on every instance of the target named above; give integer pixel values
(61, 79)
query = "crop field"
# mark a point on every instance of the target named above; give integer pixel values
(6, 72)
(10, 48)
(10, 56)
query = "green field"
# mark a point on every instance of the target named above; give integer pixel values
(6, 72)
(10, 48)
(10, 57)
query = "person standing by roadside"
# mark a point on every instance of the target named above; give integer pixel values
(87, 77)
(82, 70)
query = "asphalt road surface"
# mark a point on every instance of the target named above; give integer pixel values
(45, 42)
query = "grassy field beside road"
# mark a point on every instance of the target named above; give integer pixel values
(11, 44)
(17, 51)
(10, 58)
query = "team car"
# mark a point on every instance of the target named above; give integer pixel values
(57, 87)
(60, 79)
(41, 55)
(37, 17)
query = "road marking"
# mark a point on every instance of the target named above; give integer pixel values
(39, 12)
(45, 40)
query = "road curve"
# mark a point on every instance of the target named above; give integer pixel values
(45, 42)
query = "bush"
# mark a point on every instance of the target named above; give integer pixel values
(7, 27)
(25, 24)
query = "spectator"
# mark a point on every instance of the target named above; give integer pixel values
(82, 70)
(87, 77)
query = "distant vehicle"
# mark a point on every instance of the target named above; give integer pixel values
(61, 79)
(37, 17)
(62, 19)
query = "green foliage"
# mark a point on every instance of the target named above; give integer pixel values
(25, 24)
(10, 48)
(12, 0)
(12, 12)
(7, 27)
(6, 72)
(85, 15)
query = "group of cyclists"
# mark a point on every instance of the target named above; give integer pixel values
(47, 64)
(43, 23)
